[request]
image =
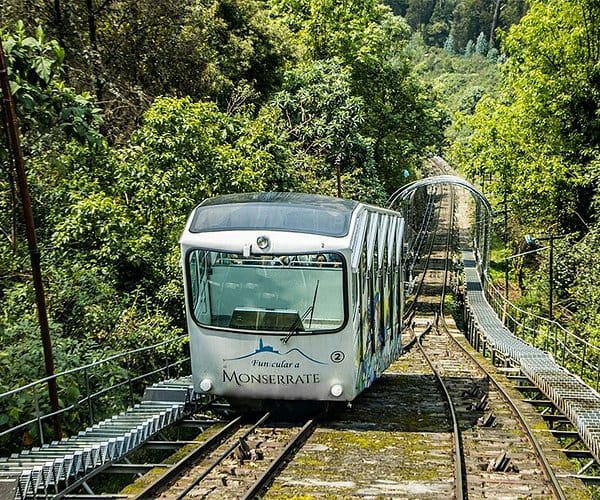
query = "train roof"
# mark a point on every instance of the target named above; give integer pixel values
(292, 212)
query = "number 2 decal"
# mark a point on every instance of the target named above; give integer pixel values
(337, 356)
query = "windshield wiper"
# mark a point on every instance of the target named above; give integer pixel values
(299, 321)
(312, 307)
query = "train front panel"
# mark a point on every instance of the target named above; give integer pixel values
(270, 326)
(266, 367)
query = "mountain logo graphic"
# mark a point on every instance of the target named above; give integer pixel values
(264, 348)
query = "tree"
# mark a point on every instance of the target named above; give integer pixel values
(324, 120)
(548, 132)
(132, 51)
(400, 114)
(469, 48)
(449, 44)
(539, 138)
(481, 46)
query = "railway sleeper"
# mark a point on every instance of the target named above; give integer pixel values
(502, 463)
(487, 420)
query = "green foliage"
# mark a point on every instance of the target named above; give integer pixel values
(460, 83)
(44, 104)
(579, 276)
(537, 141)
(469, 48)
(323, 118)
(539, 135)
(201, 49)
(198, 98)
(466, 19)
(400, 116)
(481, 45)
(450, 44)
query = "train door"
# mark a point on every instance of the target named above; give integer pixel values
(381, 260)
(391, 282)
(371, 282)
(400, 273)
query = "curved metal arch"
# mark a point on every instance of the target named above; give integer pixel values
(405, 191)
(482, 221)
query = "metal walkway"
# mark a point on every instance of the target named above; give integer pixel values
(49, 469)
(579, 402)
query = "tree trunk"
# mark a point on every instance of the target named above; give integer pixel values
(93, 34)
(494, 23)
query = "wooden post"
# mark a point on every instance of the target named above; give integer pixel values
(14, 143)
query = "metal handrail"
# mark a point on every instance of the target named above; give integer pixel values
(90, 365)
(568, 349)
(37, 417)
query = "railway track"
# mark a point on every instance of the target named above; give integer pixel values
(394, 440)
(237, 461)
(496, 452)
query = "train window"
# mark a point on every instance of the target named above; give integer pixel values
(282, 293)
(333, 220)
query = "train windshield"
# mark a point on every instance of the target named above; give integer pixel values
(279, 293)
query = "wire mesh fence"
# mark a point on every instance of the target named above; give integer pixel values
(570, 350)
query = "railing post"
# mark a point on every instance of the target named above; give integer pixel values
(564, 353)
(38, 415)
(167, 362)
(598, 373)
(129, 382)
(88, 397)
(583, 359)
(555, 339)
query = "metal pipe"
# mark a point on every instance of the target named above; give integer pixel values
(339, 176)
(505, 244)
(551, 279)
(14, 141)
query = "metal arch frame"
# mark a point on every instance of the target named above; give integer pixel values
(403, 192)
(483, 214)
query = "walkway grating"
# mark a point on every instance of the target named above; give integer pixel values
(579, 402)
(46, 470)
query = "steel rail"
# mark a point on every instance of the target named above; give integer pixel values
(278, 462)
(418, 241)
(547, 468)
(223, 456)
(459, 474)
(409, 312)
(460, 479)
(151, 490)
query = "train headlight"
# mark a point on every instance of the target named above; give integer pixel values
(263, 242)
(336, 390)
(206, 384)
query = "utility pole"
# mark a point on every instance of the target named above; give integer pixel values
(551, 278)
(550, 238)
(14, 143)
(339, 176)
(505, 245)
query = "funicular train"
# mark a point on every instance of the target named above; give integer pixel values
(292, 296)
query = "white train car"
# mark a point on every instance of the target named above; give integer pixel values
(292, 296)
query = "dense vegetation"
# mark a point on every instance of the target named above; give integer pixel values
(537, 141)
(524, 108)
(133, 112)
